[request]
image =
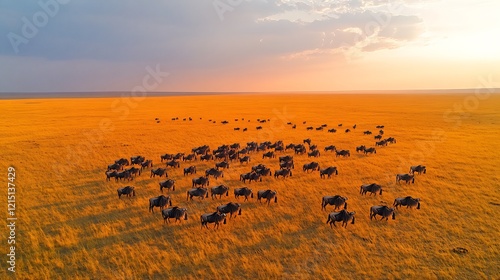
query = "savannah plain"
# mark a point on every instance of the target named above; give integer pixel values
(71, 224)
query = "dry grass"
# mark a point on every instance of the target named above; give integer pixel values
(73, 225)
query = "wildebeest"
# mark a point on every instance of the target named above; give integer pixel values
(370, 150)
(167, 184)
(311, 166)
(381, 132)
(122, 161)
(246, 192)
(234, 146)
(123, 175)
(214, 172)
(347, 130)
(313, 147)
(333, 130)
(200, 192)
(258, 127)
(189, 157)
(178, 156)
(201, 181)
(290, 146)
(282, 172)
(222, 164)
(190, 170)
(245, 159)
(381, 143)
(137, 159)
(344, 153)
(319, 128)
(115, 166)
(258, 166)
(339, 124)
(287, 165)
(372, 188)
(377, 137)
(383, 211)
(214, 217)
(343, 216)
(268, 195)
(328, 171)
(360, 148)
(263, 171)
(405, 177)
(314, 153)
(201, 150)
(308, 141)
(336, 200)
(407, 201)
(286, 158)
(309, 128)
(230, 208)
(134, 171)
(110, 174)
(158, 172)
(173, 163)
(219, 190)
(128, 191)
(391, 140)
(330, 148)
(250, 176)
(159, 201)
(146, 164)
(300, 149)
(367, 132)
(174, 213)
(380, 126)
(418, 168)
(166, 157)
(224, 122)
(268, 155)
(206, 157)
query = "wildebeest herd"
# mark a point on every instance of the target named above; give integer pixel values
(126, 170)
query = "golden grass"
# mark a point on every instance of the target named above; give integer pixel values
(71, 223)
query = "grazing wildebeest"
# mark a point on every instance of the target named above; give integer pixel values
(110, 174)
(173, 163)
(224, 122)
(159, 201)
(408, 201)
(333, 130)
(330, 148)
(200, 192)
(230, 208)
(134, 171)
(221, 156)
(339, 124)
(236, 128)
(314, 153)
(418, 168)
(343, 216)
(313, 147)
(328, 171)
(300, 149)
(383, 211)
(378, 137)
(166, 157)
(347, 130)
(336, 200)
(311, 166)
(137, 159)
(279, 149)
(245, 129)
(245, 159)
(214, 172)
(122, 161)
(214, 217)
(158, 172)
(286, 158)
(381, 132)
(294, 126)
(233, 157)
(250, 176)
(367, 132)
(344, 153)
(282, 172)
(178, 156)
(290, 146)
(206, 157)
(115, 166)
(258, 127)
(201, 150)
(381, 143)
(219, 190)
(370, 150)
(258, 166)
(308, 141)
(360, 148)
(146, 164)
(202, 181)
(391, 140)
(380, 126)
(268, 155)
(405, 177)
(268, 195)
(372, 188)
(128, 191)
(287, 165)
(354, 126)
(222, 164)
(246, 192)
(189, 157)
(309, 128)
(123, 175)
(234, 146)
(264, 171)
(174, 213)
(319, 128)
(190, 170)
(167, 184)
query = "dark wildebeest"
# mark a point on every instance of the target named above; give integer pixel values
(174, 213)
(167, 184)
(336, 200)
(123, 175)
(418, 168)
(110, 174)
(246, 192)
(279, 149)
(190, 170)
(300, 149)
(146, 164)
(313, 147)
(408, 201)
(378, 137)
(122, 161)
(230, 208)
(268, 155)
(202, 181)
(158, 172)
(282, 172)
(370, 150)
(268, 195)
(314, 153)
(200, 192)
(245, 159)
(189, 157)
(115, 166)
(360, 148)
(381, 132)
(343, 216)
(319, 128)
(330, 148)
(258, 127)
(354, 126)
(344, 153)
(347, 130)
(367, 132)
(258, 166)
(166, 157)
(286, 158)
(264, 171)
(372, 188)
(137, 159)
(252, 176)
(173, 163)
(214, 172)
(328, 171)
(214, 217)
(333, 130)
(380, 126)
(381, 143)
(287, 165)
(308, 141)
(233, 157)
(245, 129)
(201, 150)
(224, 122)
(178, 156)
(206, 157)
(222, 164)
(311, 166)
(383, 211)
(219, 190)
(159, 201)
(234, 146)
(221, 156)
(134, 171)
(128, 191)
(309, 128)
(391, 140)
(405, 177)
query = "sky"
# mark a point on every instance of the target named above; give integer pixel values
(248, 45)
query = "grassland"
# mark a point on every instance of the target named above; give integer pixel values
(72, 225)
